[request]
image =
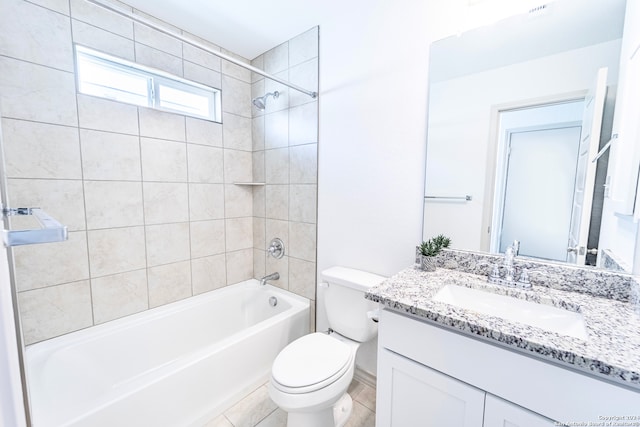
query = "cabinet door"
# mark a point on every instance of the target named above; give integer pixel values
(500, 413)
(411, 394)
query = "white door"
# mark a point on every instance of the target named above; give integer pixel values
(586, 172)
(411, 394)
(500, 413)
(538, 190)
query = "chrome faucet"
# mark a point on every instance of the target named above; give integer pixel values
(509, 277)
(272, 276)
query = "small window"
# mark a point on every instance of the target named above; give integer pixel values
(112, 78)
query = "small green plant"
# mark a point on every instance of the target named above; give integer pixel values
(433, 246)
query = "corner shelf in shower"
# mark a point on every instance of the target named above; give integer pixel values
(254, 184)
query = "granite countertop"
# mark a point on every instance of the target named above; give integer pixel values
(612, 349)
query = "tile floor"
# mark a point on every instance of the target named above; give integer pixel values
(257, 410)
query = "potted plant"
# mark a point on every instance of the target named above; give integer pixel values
(428, 250)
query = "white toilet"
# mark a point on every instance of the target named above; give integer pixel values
(310, 376)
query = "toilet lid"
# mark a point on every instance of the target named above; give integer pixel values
(311, 360)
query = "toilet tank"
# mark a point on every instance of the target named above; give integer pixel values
(345, 304)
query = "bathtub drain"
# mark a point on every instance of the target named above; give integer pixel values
(273, 301)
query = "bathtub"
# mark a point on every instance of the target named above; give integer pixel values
(176, 365)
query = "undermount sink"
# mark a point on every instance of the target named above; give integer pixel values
(547, 317)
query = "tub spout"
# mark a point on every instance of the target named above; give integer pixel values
(272, 276)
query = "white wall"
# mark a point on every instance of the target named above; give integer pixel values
(372, 133)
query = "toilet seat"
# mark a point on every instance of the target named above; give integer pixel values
(310, 363)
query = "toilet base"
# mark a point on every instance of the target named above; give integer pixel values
(333, 416)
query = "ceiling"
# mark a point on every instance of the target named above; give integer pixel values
(245, 27)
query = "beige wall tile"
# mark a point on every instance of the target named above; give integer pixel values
(119, 295)
(204, 132)
(49, 312)
(234, 70)
(237, 166)
(257, 62)
(110, 116)
(62, 199)
(39, 266)
(159, 124)
(169, 283)
(257, 133)
(165, 202)
(276, 129)
(238, 200)
(258, 166)
(202, 75)
(302, 240)
(239, 233)
(207, 238)
(156, 39)
(206, 201)
(237, 132)
(281, 266)
(38, 150)
(303, 164)
(116, 250)
(302, 203)
(303, 124)
(304, 75)
(259, 201)
(163, 160)
(167, 243)
(302, 277)
(103, 41)
(208, 273)
(239, 266)
(277, 59)
(158, 59)
(36, 34)
(205, 164)
(110, 156)
(259, 233)
(259, 263)
(113, 204)
(49, 97)
(201, 57)
(102, 18)
(277, 166)
(276, 228)
(303, 47)
(236, 96)
(277, 202)
(61, 6)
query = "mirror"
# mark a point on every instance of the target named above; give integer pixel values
(510, 108)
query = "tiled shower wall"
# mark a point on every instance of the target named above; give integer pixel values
(149, 197)
(285, 144)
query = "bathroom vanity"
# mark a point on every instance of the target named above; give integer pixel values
(451, 352)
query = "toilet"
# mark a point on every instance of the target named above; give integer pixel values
(310, 376)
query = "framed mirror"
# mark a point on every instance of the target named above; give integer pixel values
(518, 111)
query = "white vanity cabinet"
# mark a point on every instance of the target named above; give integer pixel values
(433, 376)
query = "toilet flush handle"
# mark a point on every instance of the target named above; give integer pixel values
(323, 284)
(374, 314)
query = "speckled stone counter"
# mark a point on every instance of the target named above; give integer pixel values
(612, 349)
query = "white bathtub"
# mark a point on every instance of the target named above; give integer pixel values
(176, 365)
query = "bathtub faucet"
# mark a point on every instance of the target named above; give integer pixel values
(272, 276)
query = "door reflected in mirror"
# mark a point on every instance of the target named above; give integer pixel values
(517, 112)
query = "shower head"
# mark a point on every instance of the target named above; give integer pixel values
(261, 101)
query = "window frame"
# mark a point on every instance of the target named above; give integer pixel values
(155, 78)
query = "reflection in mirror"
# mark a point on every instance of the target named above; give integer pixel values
(517, 112)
